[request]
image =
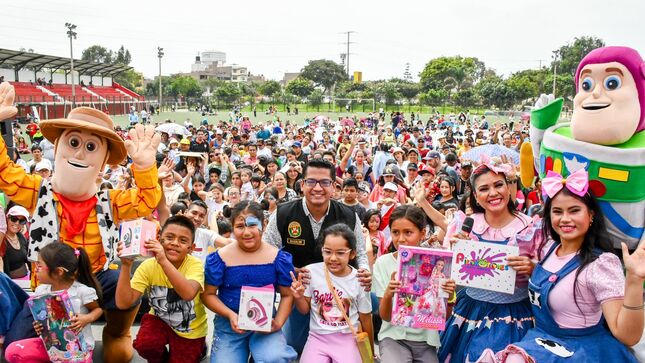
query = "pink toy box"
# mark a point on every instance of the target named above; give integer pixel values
(54, 312)
(133, 234)
(420, 302)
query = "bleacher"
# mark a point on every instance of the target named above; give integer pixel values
(65, 91)
(110, 93)
(30, 93)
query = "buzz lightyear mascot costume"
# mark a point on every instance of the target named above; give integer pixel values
(605, 136)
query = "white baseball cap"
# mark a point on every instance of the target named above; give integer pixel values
(18, 211)
(390, 186)
(44, 164)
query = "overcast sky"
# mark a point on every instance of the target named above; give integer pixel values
(273, 37)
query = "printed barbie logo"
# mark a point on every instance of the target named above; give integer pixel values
(484, 265)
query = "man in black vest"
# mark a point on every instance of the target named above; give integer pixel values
(295, 227)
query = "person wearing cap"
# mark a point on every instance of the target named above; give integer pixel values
(364, 195)
(184, 144)
(173, 149)
(412, 175)
(386, 206)
(421, 145)
(72, 210)
(297, 150)
(463, 184)
(13, 247)
(390, 174)
(44, 169)
(434, 161)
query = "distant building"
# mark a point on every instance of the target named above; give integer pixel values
(259, 78)
(288, 77)
(212, 65)
(207, 59)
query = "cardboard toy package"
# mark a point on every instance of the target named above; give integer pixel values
(483, 265)
(133, 234)
(420, 302)
(54, 311)
(256, 308)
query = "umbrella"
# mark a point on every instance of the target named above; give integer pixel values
(172, 129)
(347, 122)
(475, 153)
(321, 118)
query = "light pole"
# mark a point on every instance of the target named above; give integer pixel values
(72, 35)
(160, 55)
(555, 69)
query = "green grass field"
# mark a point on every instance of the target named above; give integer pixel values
(195, 118)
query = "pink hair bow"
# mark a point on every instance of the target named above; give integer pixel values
(577, 183)
(497, 168)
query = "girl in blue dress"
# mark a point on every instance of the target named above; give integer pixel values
(247, 262)
(586, 310)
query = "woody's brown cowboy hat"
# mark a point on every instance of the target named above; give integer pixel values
(87, 119)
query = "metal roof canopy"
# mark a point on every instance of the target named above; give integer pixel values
(18, 60)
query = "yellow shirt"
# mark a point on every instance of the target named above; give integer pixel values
(22, 188)
(186, 318)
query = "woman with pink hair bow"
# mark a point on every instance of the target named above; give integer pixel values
(481, 318)
(586, 309)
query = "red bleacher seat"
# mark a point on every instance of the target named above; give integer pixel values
(110, 93)
(27, 92)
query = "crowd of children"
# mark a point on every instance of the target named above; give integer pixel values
(408, 184)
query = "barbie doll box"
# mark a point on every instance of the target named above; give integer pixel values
(134, 234)
(420, 302)
(256, 308)
(54, 312)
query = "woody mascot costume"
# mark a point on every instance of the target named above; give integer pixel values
(606, 137)
(69, 208)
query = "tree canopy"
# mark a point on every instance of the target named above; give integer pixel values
(324, 73)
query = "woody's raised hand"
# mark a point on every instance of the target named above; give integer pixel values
(7, 95)
(142, 146)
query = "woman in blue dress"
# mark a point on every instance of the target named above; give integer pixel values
(586, 310)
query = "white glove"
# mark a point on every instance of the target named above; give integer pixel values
(544, 100)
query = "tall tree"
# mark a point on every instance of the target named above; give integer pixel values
(185, 86)
(387, 91)
(270, 89)
(300, 87)
(324, 73)
(316, 98)
(465, 72)
(131, 79)
(97, 53)
(123, 56)
(228, 92)
(567, 59)
(569, 55)
(407, 89)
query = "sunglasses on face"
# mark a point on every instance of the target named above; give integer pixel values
(15, 219)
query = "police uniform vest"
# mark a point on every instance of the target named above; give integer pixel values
(297, 234)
